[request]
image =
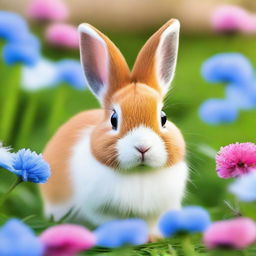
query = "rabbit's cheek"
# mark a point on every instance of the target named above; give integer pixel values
(129, 156)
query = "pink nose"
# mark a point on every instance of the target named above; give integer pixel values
(142, 150)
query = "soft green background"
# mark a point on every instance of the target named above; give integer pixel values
(189, 91)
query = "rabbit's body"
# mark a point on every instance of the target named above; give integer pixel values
(98, 193)
(125, 160)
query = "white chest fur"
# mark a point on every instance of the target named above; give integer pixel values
(102, 194)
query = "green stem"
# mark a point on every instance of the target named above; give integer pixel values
(172, 251)
(5, 196)
(57, 109)
(187, 246)
(10, 104)
(28, 218)
(27, 121)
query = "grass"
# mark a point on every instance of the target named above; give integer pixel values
(189, 91)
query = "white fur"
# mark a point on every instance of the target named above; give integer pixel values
(87, 29)
(146, 195)
(174, 29)
(129, 156)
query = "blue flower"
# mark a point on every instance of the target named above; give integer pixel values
(190, 219)
(227, 67)
(6, 158)
(244, 188)
(70, 72)
(12, 26)
(195, 219)
(31, 167)
(242, 97)
(26, 51)
(16, 239)
(22, 46)
(218, 111)
(28, 165)
(170, 223)
(119, 232)
(251, 91)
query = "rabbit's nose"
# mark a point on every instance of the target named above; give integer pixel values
(143, 150)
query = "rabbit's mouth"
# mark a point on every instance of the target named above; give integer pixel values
(142, 148)
(140, 168)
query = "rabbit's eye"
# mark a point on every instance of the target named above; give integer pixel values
(114, 120)
(163, 118)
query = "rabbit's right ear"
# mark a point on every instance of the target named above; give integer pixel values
(105, 68)
(156, 62)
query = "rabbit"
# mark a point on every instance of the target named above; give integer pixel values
(125, 160)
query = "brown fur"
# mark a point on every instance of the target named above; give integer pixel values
(138, 96)
(57, 154)
(139, 105)
(119, 73)
(144, 70)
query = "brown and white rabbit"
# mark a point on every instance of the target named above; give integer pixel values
(125, 159)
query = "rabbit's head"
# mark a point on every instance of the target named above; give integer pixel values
(134, 131)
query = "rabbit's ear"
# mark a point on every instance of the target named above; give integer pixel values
(156, 62)
(104, 66)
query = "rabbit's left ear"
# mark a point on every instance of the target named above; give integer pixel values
(156, 62)
(105, 68)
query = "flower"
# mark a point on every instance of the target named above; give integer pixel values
(12, 26)
(242, 96)
(190, 219)
(227, 67)
(42, 75)
(53, 10)
(18, 239)
(31, 167)
(64, 35)
(26, 51)
(70, 72)
(251, 91)
(119, 232)
(236, 159)
(22, 46)
(231, 18)
(28, 165)
(170, 222)
(6, 158)
(251, 25)
(245, 187)
(218, 111)
(67, 239)
(236, 233)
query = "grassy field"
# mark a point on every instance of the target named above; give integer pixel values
(189, 91)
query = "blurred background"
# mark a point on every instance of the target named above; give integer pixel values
(31, 110)
(135, 15)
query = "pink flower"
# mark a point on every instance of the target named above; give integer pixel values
(237, 233)
(236, 159)
(249, 25)
(230, 18)
(63, 35)
(67, 239)
(53, 10)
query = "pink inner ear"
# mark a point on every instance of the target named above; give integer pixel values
(101, 59)
(168, 58)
